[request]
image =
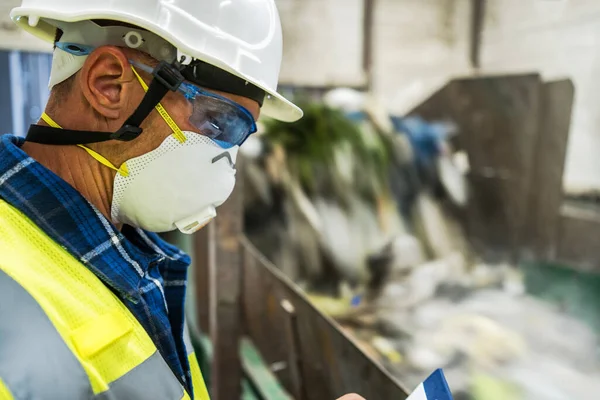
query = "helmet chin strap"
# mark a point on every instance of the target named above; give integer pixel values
(166, 77)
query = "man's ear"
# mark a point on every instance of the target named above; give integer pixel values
(106, 80)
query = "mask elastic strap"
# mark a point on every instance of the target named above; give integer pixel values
(123, 170)
(46, 118)
(177, 133)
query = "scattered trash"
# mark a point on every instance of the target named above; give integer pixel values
(386, 348)
(352, 210)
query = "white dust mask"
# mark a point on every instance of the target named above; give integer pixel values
(176, 186)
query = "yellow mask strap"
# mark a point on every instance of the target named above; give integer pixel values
(123, 170)
(46, 118)
(163, 113)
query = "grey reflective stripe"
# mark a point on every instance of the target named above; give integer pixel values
(187, 339)
(152, 379)
(35, 363)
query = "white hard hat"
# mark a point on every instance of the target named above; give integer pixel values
(241, 37)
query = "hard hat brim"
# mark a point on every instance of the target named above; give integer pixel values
(278, 107)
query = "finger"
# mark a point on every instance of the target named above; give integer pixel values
(351, 396)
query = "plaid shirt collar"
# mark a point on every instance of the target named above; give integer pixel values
(147, 273)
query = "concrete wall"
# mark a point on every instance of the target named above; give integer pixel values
(419, 44)
(13, 38)
(323, 42)
(558, 38)
(417, 47)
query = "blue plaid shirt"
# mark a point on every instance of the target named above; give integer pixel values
(148, 274)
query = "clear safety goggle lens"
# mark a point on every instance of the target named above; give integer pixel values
(217, 117)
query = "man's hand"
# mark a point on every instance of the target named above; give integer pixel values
(351, 396)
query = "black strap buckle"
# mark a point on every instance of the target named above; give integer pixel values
(168, 75)
(126, 133)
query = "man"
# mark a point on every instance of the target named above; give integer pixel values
(150, 100)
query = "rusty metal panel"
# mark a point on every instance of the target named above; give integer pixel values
(578, 233)
(264, 319)
(497, 117)
(547, 183)
(489, 219)
(201, 275)
(329, 362)
(436, 106)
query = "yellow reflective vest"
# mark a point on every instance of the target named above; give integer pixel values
(65, 335)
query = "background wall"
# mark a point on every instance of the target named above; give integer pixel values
(323, 42)
(558, 38)
(13, 38)
(417, 45)
(24, 82)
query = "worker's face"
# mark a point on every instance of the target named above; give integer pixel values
(112, 90)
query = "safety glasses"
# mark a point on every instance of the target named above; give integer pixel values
(225, 122)
(222, 120)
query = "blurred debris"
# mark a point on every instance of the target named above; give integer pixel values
(386, 348)
(324, 182)
(362, 210)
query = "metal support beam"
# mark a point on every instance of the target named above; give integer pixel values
(368, 9)
(225, 269)
(202, 276)
(6, 103)
(477, 15)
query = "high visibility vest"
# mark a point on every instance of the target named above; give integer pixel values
(64, 335)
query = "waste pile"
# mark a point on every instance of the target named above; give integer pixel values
(362, 210)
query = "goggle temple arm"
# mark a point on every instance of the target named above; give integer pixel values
(167, 77)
